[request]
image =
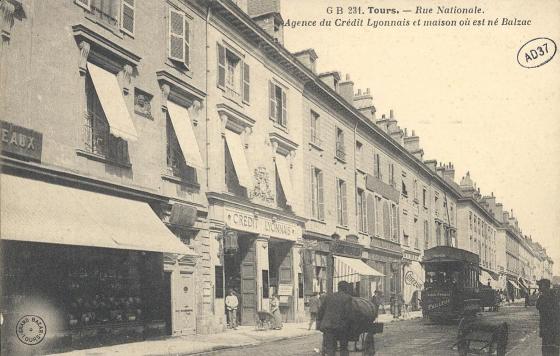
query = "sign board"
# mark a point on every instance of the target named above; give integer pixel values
(21, 142)
(346, 248)
(265, 225)
(285, 289)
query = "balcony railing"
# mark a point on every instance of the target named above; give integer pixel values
(340, 152)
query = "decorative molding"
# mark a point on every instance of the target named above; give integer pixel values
(8, 10)
(165, 90)
(282, 144)
(237, 121)
(262, 188)
(124, 78)
(180, 91)
(84, 54)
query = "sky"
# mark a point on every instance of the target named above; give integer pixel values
(462, 90)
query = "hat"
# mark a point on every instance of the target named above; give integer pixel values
(544, 283)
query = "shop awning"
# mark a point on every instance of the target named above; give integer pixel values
(37, 211)
(283, 168)
(514, 284)
(111, 99)
(484, 277)
(237, 152)
(182, 125)
(350, 269)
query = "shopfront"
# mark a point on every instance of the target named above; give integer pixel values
(413, 279)
(261, 259)
(386, 257)
(90, 265)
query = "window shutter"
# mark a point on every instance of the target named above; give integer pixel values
(187, 43)
(344, 210)
(127, 16)
(284, 119)
(312, 123)
(272, 100)
(246, 83)
(176, 35)
(314, 203)
(370, 202)
(320, 199)
(386, 221)
(221, 66)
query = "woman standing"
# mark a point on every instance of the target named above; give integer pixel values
(275, 310)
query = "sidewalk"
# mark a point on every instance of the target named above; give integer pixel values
(194, 344)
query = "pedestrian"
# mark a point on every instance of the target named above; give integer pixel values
(231, 306)
(275, 311)
(314, 304)
(334, 319)
(376, 300)
(549, 326)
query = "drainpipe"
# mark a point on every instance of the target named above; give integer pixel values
(355, 172)
(208, 12)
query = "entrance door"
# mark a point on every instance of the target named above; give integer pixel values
(184, 306)
(285, 277)
(248, 283)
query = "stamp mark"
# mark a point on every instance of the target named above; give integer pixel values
(536, 52)
(31, 329)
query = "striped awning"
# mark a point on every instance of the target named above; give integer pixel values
(351, 270)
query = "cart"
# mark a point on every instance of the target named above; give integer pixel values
(481, 338)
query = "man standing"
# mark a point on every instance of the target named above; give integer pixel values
(334, 319)
(231, 306)
(549, 310)
(314, 304)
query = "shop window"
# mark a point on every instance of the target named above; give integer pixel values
(97, 136)
(265, 284)
(219, 281)
(118, 14)
(341, 203)
(278, 104)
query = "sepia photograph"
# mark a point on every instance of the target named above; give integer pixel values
(279, 177)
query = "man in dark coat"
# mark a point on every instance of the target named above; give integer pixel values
(549, 310)
(334, 319)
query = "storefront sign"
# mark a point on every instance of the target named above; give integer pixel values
(346, 248)
(411, 279)
(264, 225)
(410, 256)
(19, 141)
(378, 243)
(285, 289)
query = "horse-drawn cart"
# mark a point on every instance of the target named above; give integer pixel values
(481, 338)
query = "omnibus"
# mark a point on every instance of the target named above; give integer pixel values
(451, 283)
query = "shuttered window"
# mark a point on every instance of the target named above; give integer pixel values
(378, 217)
(341, 203)
(278, 104)
(371, 220)
(221, 66)
(317, 200)
(246, 83)
(127, 16)
(179, 44)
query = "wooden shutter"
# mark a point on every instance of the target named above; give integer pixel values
(127, 16)
(272, 97)
(187, 43)
(308, 272)
(248, 272)
(176, 35)
(312, 123)
(246, 83)
(370, 203)
(344, 205)
(221, 66)
(338, 203)
(320, 197)
(284, 119)
(314, 203)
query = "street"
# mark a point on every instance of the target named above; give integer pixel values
(416, 337)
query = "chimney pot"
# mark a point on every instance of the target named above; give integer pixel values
(391, 113)
(413, 133)
(347, 76)
(367, 90)
(382, 116)
(359, 91)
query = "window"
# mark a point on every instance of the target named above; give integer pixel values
(378, 217)
(315, 126)
(342, 213)
(406, 237)
(470, 221)
(219, 281)
(415, 233)
(362, 211)
(424, 197)
(395, 223)
(359, 147)
(392, 174)
(233, 75)
(340, 149)
(317, 205)
(97, 136)
(404, 192)
(114, 13)
(179, 37)
(426, 235)
(438, 234)
(281, 200)
(176, 163)
(415, 190)
(436, 206)
(386, 221)
(278, 107)
(231, 179)
(377, 166)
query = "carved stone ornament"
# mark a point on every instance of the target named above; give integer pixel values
(84, 53)
(165, 90)
(124, 77)
(7, 10)
(262, 191)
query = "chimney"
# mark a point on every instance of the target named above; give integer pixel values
(412, 144)
(383, 123)
(449, 172)
(432, 164)
(364, 103)
(308, 58)
(346, 89)
(331, 79)
(499, 212)
(440, 169)
(266, 13)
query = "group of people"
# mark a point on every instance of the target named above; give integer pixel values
(232, 308)
(548, 306)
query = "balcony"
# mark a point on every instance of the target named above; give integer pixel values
(340, 153)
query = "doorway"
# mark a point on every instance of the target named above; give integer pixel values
(167, 302)
(281, 279)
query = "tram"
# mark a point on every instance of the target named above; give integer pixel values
(451, 283)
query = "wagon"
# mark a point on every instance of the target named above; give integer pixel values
(481, 338)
